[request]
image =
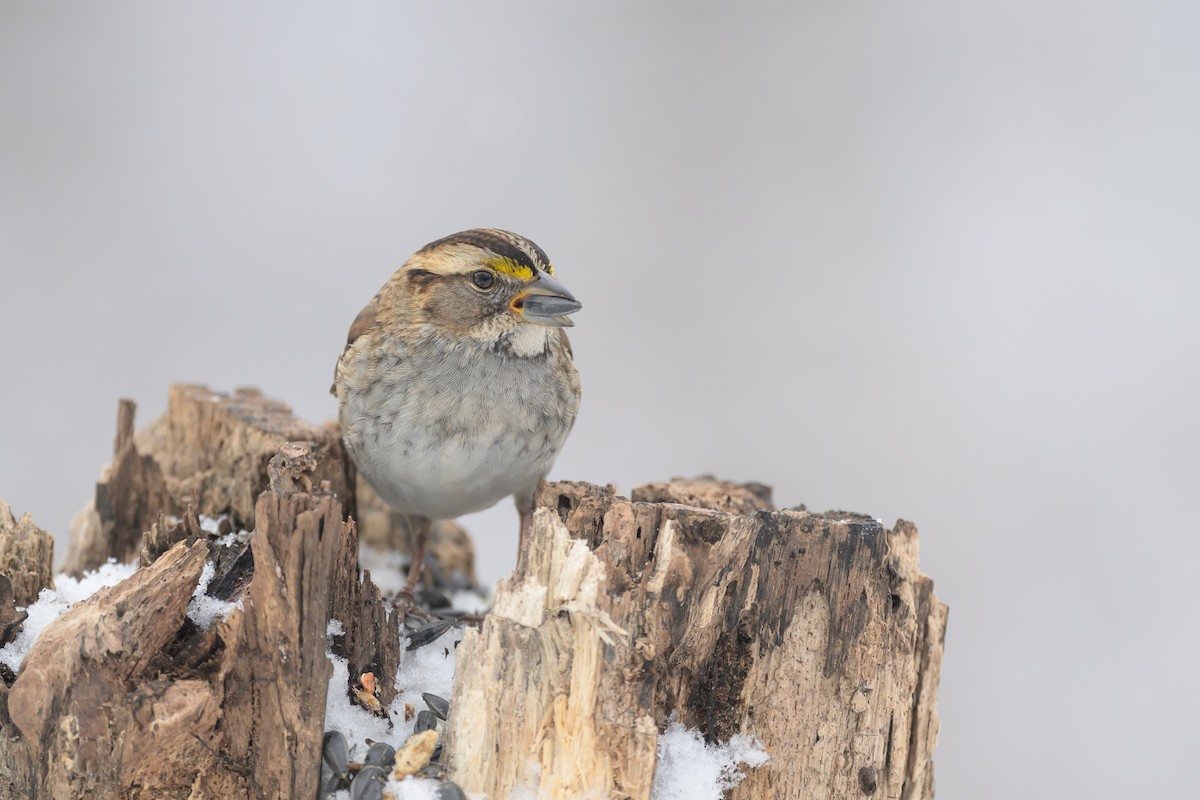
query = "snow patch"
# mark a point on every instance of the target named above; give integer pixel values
(690, 769)
(427, 669)
(53, 603)
(204, 610)
(413, 789)
(352, 720)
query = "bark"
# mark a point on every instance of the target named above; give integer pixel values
(26, 556)
(815, 633)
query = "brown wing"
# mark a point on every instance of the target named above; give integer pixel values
(363, 322)
(562, 336)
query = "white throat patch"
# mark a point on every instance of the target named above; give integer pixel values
(528, 340)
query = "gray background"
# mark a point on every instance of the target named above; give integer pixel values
(931, 260)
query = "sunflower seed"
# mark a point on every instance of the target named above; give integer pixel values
(438, 705)
(368, 783)
(336, 753)
(366, 789)
(423, 636)
(333, 784)
(450, 791)
(381, 754)
(426, 721)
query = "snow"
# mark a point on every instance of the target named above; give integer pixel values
(690, 769)
(53, 603)
(354, 721)
(204, 610)
(212, 526)
(413, 789)
(426, 669)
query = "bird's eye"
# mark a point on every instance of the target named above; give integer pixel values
(483, 279)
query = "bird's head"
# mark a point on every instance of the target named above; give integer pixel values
(484, 284)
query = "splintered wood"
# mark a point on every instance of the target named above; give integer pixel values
(26, 554)
(113, 702)
(210, 451)
(123, 696)
(817, 634)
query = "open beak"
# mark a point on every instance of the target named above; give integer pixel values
(546, 302)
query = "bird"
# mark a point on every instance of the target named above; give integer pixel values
(457, 386)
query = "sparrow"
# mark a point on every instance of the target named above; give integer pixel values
(457, 386)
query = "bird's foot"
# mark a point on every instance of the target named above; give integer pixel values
(405, 602)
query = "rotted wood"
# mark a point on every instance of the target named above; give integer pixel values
(707, 492)
(26, 555)
(11, 620)
(144, 704)
(166, 533)
(93, 672)
(123, 697)
(208, 450)
(815, 633)
(370, 638)
(274, 720)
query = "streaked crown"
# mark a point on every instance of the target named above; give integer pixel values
(507, 252)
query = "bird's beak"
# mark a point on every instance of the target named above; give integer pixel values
(546, 302)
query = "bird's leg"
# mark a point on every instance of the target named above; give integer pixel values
(418, 531)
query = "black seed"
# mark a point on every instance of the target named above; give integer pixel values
(450, 791)
(425, 635)
(438, 705)
(368, 783)
(372, 772)
(366, 786)
(333, 784)
(336, 753)
(426, 721)
(381, 754)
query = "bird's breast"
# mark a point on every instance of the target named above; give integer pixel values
(451, 430)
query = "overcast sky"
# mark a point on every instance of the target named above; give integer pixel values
(930, 260)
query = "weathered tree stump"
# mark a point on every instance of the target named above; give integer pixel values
(815, 633)
(694, 600)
